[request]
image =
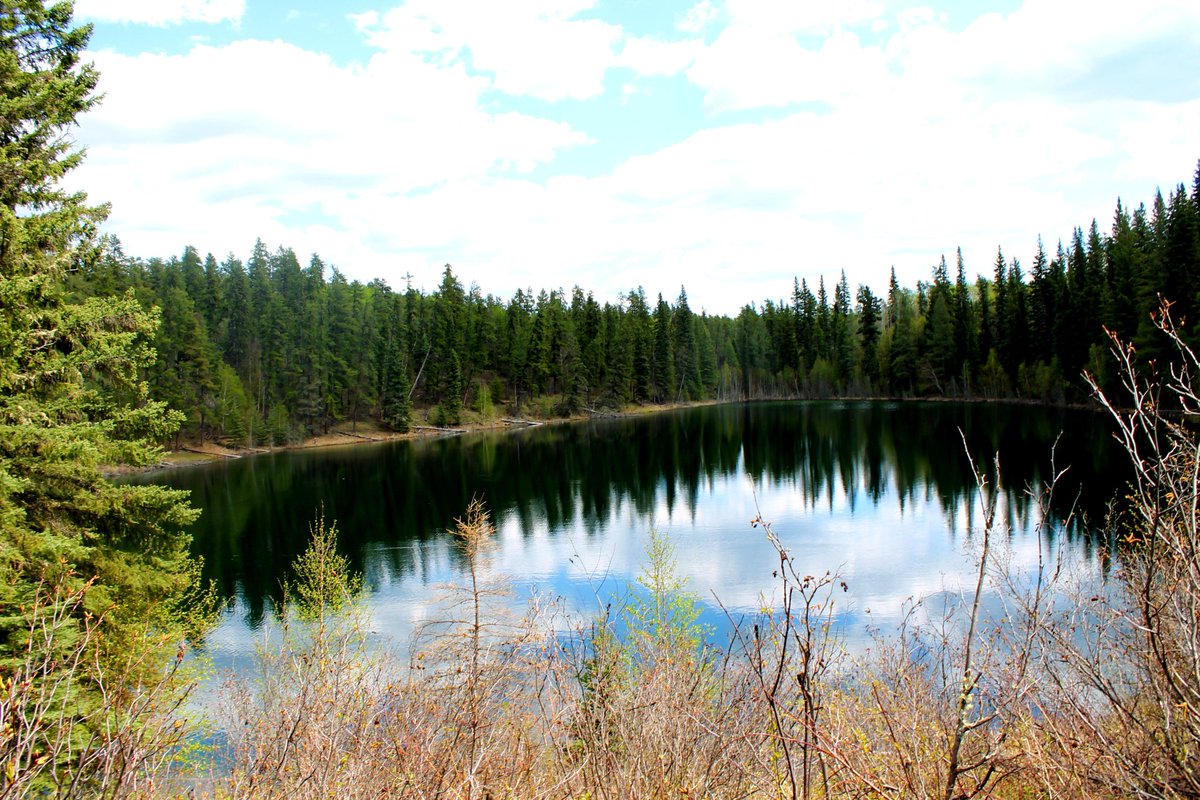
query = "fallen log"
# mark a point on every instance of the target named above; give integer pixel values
(208, 453)
(360, 436)
(438, 430)
(529, 422)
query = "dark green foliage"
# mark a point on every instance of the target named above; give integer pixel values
(72, 395)
(869, 311)
(642, 342)
(452, 404)
(687, 367)
(663, 362)
(328, 350)
(397, 408)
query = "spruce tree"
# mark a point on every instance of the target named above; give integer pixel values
(868, 332)
(687, 374)
(397, 409)
(71, 400)
(452, 404)
(642, 338)
(663, 362)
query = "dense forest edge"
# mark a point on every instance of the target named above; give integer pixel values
(1065, 692)
(271, 351)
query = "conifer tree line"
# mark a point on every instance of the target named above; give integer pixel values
(270, 349)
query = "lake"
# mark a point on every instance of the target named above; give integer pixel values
(881, 492)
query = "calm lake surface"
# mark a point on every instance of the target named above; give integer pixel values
(881, 492)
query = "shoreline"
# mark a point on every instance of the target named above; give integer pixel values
(192, 453)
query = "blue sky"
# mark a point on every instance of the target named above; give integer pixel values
(724, 145)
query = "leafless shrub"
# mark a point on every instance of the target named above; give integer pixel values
(313, 723)
(77, 720)
(656, 711)
(944, 705)
(483, 680)
(1126, 713)
(789, 657)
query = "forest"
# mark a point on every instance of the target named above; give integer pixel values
(1070, 692)
(271, 350)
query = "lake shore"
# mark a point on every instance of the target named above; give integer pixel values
(192, 453)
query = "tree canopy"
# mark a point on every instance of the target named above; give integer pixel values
(270, 352)
(73, 397)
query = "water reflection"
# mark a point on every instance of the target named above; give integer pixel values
(883, 492)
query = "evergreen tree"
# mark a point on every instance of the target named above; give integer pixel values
(1121, 295)
(1181, 257)
(663, 375)
(868, 332)
(966, 339)
(239, 326)
(71, 400)
(619, 346)
(987, 322)
(452, 404)
(902, 350)
(397, 408)
(998, 319)
(706, 355)
(519, 324)
(1016, 318)
(1042, 308)
(574, 375)
(687, 373)
(822, 330)
(804, 311)
(211, 299)
(642, 338)
(751, 343)
(448, 338)
(843, 348)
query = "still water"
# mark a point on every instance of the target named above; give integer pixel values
(882, 493)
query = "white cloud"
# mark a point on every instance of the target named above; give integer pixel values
(649, 56)
(1043, 41)
(802, 16)
(919, 142)
(161, 12)
(699, 17)
(222, 145)
(531, 47)
(747, 68)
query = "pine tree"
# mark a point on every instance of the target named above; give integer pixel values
(687, 373)
(641, 335)
(706, 355)
(619, 347)
(71, 400)
(843, 347)
(452, 404)
(868, 332)
(448, 336)
(519, 327)
(397, 408)
(804, 312)
(664, 357)
(966, 340)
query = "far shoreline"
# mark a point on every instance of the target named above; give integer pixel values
(346, 434)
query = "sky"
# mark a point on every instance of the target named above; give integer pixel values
(724, 146)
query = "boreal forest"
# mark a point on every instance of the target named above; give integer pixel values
(1077, 679)
(271, 349)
